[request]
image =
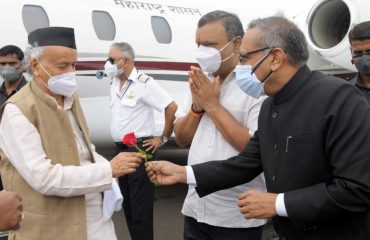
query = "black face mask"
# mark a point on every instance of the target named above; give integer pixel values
(362, 64)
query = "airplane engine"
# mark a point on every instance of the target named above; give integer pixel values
(327, 26)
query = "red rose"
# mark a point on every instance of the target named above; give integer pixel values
(129, 139)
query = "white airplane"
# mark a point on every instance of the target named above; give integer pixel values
(162, 33)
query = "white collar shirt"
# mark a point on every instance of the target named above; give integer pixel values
(21, 142)
(220, 208)
(133, 106)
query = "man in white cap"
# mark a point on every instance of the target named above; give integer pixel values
(48, 158)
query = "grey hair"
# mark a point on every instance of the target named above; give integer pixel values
(30, 53)
(125, 48)
(231, 22)
(278, 31)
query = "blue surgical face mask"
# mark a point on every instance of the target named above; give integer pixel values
(248, 81)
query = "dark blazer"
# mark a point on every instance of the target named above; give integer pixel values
(313, 145)
(358, 82)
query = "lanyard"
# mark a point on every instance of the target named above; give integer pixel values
(123, 94)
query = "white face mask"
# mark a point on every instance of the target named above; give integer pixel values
(63, 84)
(112, 70)
(209, 58)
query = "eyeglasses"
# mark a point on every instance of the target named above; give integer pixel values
(112, 60)
(244, 57)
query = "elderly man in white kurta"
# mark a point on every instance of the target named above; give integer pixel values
(47, 155)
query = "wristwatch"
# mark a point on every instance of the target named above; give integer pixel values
(164, 139)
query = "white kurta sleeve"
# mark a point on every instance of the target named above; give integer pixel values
(21, 142)
(254, 111)
(98, 158)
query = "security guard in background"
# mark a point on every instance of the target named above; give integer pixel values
(134, 95)
(359, 38)
(11, 71)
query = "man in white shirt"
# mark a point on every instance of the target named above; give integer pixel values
(134, 96)
(217, 119)
(49, 160)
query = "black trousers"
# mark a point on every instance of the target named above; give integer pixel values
(138, 193)
(194, 230)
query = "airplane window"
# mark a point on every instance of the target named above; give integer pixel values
(161, 29)
(34, 17)
(104, 26)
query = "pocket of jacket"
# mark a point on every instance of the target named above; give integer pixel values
(297, 141)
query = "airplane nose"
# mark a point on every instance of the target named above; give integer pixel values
(100, 74)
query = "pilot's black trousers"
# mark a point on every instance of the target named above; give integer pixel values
(138, 194)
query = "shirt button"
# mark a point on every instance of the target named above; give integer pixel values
(274, 178)
(274, 115)
(275, 147)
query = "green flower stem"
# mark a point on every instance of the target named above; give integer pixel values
(148, 156)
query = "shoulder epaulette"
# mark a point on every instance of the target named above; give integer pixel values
(143, 78)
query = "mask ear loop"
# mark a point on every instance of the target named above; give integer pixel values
(264, 80)
(43, 68)
(224, 48)
(257, 64)
(227, 44)
(122, 72)
(227, 58)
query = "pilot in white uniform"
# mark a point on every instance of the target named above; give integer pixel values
(134, 96)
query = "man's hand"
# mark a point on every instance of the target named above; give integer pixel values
(257, 204)
(125, 163)
(195, 105)
(10, 211)
(165, 173)
(153, 144)
(205, 93)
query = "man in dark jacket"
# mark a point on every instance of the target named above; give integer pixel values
(311, 144)
(359, 37)
(11, 71)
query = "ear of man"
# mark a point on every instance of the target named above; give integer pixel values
(279, 58)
